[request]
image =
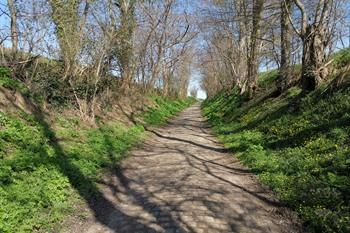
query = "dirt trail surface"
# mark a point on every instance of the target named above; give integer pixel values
(182, 180)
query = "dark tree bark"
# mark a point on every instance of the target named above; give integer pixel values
(314, 36)
(313, 59)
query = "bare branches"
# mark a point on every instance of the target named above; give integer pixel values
(298, 32)
(304, 21)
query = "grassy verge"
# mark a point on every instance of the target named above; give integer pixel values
(46, 167)
(298, 147)
(165, 108)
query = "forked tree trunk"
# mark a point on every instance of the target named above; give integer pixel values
(314, 37)
(313, 59)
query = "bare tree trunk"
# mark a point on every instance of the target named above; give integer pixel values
(253, 63)
(126, 32)
(14, 30)
(285, 70)
(166, 84)
(160, 44)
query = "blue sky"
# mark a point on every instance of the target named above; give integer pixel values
(4, 23)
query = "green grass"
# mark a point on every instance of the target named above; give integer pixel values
(341, 58)
(48, 167)
(298, 147)
(36, 172)
(165, 108)
(267, 78)
(8, 82)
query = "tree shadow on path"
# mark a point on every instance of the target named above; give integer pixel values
(86, 188)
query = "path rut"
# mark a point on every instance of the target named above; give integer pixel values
(182, 180)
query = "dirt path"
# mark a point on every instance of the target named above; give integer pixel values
(183, 180)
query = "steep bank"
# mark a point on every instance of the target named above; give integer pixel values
(50, 160)
(299, 146)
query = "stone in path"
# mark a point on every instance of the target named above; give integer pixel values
(183, 180)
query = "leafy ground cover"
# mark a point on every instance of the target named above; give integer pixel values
(299, 146)
(165, 108)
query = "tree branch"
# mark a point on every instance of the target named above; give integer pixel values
(301, 7)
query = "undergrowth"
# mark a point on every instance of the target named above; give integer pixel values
(297, 146)
(47, 166)
(8, 82)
